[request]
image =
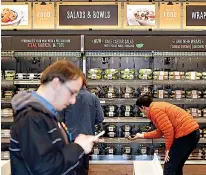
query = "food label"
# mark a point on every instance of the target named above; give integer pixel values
(110, 128)
(193, 75)
(146, 89)
(161, 77)
(178, 96)
(127, 90)
(194, 114)
(111, 134)
(20, 76)
(111, 114)
(31, 76)
(194, 96)
(178, 92)
(177, 77)
(127, 95)
(94, 76)
(144, 77)
(194, 92)
(161, 93)
(111, 89)
(109, 76)
(143, 150)
(127, 114)
(109, 95)
(111, 151)
(162, 73)
(127, 128)
(111, 108)
(127, 108)
(127, 150)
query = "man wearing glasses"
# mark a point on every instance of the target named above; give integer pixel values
(179, 128)
(39, 143)
(82, 118)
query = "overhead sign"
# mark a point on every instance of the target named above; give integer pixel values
(16, 15)
(88, 15)
(180, 43)
(194, 16)
(46, 43)
(170, 16)
(6, 43)
(43, 15)
(115, 43)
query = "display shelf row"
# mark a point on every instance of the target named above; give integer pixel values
(96, 160)
(200, 120)
(117, 82)
(132, 101)
(139, 120)
(118, 140)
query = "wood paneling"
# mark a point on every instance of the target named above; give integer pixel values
(128, 170)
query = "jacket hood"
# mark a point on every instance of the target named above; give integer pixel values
(25, 99)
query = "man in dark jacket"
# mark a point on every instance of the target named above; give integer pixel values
(39, 143)
(82, 118)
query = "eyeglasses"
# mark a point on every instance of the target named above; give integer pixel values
(71, 91)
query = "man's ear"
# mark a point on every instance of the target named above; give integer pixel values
(55, 83)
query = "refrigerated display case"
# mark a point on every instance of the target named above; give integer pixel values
(118, 77)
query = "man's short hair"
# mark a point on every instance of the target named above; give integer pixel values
(144, 100)
(64, 70)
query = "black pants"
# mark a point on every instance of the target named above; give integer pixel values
(83, 166)
(179, 153)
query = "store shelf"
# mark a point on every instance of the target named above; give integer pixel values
(16, 82)
(5, 140)
(113, 120)
(47, 54)
(125, 140)
(120, 82)
(132, 101)
(179, 82)
(182, 101)
(138, 120)
(179, 54)
(118, 53)
(7, 82)
(129, 101)
(162, 140)
(201, 119)
(5, 101)
(126, 120)
(7, 119)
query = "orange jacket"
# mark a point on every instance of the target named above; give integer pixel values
(171, 122)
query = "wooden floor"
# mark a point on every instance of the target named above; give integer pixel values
(128, 170)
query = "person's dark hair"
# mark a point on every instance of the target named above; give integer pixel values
(144, 100)
(64, 70)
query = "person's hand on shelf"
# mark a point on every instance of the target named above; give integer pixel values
(137, 136)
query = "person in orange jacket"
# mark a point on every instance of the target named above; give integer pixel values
(179, 128)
